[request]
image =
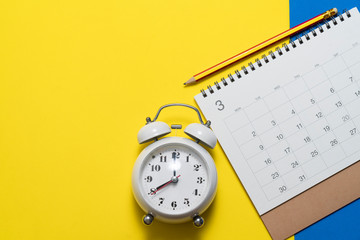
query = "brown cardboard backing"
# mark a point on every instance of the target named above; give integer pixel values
(314, 204)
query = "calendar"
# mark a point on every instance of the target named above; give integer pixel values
(292, 119)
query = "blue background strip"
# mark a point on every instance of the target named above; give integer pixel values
(344, 223)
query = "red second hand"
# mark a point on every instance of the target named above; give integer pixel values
(164, 185)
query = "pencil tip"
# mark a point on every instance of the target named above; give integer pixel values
(190, 81)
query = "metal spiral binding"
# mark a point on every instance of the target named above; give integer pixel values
(231, 78)
(300, 40)
(251, 66)
(280, 51)
(272, 55)
(258, 62)
(347, 13)
(203, 93)
(341, 17)
(307, 36)
(245, 70)
(333, 20)
(286, 47)
(217, 85)
(313, 31)
(238, 74)
(266, 60)
(327, 24)
(224, 81)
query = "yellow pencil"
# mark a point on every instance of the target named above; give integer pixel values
(262, 45)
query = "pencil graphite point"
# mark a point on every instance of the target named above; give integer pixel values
(190, 81)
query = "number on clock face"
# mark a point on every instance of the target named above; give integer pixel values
(174, 178)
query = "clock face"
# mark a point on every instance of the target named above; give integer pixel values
(174, 178)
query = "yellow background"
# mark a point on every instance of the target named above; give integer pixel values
(78, 79)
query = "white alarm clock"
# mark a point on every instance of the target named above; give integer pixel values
(174, 179)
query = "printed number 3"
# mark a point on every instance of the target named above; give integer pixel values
(220, 105)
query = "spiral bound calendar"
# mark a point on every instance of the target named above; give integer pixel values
(292, 119)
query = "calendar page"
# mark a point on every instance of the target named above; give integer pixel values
(293, 119)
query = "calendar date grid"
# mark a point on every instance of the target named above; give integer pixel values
(302, 176)
(284, 138)
(274, 175)
(300, 127)
(339, 105)
(305, 177)
(296, 164)
(332, 90)
(352, 133)
(357, 93)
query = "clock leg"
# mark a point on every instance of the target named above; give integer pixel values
(148, 219)
(198, 221)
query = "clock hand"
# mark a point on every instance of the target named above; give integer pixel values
(174, 157)
(173, 179)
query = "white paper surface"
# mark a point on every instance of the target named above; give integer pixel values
(295, 121)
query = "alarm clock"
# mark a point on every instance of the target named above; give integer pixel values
(174, 179)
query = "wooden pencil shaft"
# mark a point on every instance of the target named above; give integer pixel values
(262, 45)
